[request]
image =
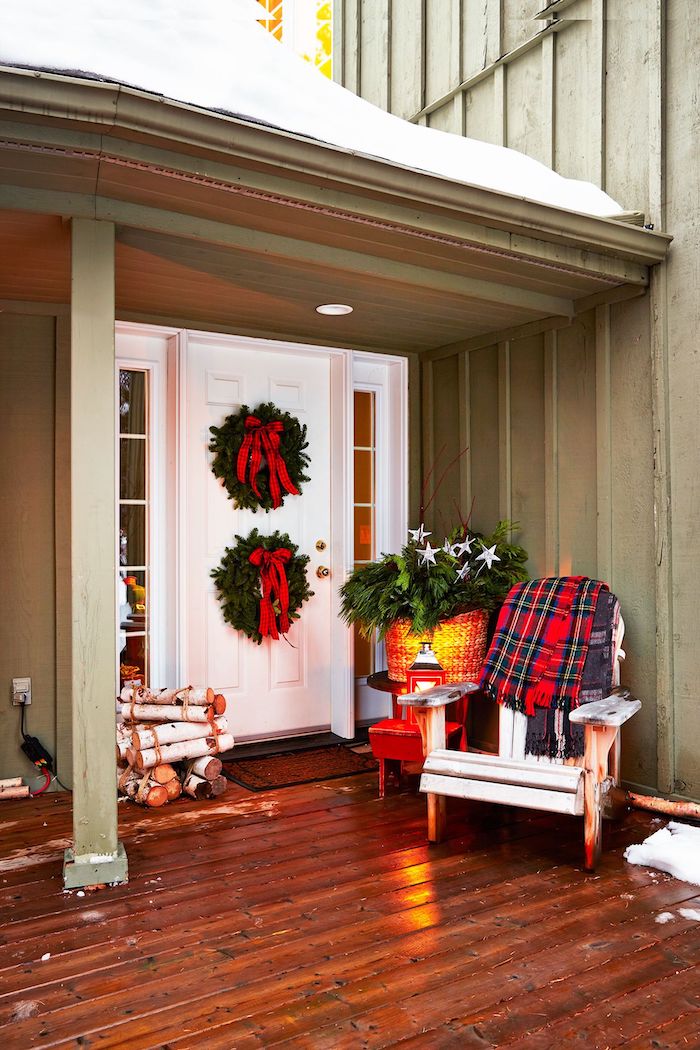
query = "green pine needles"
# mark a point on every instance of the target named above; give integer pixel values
(406, 586)
(226, 442)
(238, 582)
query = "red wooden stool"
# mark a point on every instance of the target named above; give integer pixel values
(398, 739)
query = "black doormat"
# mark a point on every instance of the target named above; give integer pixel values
(298, 767)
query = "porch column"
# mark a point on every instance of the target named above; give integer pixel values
(96, 855)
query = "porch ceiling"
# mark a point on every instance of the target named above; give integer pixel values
(226, 224)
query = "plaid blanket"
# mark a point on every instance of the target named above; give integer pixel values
(538, 652)
(549, 731)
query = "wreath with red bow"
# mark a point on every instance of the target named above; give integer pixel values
(260, 456)
(262, 584)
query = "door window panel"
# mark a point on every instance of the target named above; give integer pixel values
(134, 523)
(364, 509)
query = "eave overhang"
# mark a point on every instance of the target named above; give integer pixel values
(171, 175)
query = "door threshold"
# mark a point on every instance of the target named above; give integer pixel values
(286, 745)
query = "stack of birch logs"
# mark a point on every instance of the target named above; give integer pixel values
(168, 742)
(13, 787)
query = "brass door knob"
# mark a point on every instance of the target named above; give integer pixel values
(321, 545)
(322, 572)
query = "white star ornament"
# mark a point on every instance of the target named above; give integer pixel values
(419, 534)
(488, 556)
(428, 554)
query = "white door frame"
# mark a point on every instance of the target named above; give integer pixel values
(340, 539)
(386, 374)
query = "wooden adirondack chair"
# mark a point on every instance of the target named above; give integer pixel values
(578, 787)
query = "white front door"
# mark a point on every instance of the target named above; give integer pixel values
(301, 684)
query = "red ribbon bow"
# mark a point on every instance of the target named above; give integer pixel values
(273, 580)
(264, 437)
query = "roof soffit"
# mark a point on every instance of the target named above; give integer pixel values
(125, 118)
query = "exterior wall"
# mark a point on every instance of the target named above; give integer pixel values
(27, 532)
(588, 435)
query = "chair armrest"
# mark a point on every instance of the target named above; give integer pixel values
(612, 711)
(439, 695)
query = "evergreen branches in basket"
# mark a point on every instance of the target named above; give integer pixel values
(427, 585)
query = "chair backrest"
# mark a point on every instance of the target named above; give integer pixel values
(512, 725)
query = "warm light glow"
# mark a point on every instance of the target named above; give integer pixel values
(304, 25)
(423, 687)
(334, 309)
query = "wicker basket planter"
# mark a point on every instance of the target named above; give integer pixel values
(459, 644)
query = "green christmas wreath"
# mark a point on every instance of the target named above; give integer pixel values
(262, 584)
(260, 456)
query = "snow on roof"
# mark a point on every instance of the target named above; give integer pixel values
(213, 54)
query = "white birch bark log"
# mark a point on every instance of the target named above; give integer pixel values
(183, 749)
(171, 732)
(163, 713)
(193, 697)
(122, 748)
(197, 787)
(15, 792)
(10, 782)
(208, 768)
(194, 786)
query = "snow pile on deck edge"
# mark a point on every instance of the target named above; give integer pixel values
(674, 849)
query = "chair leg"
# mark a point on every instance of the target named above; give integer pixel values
(598, 742)
(592, 822)
(382, 776)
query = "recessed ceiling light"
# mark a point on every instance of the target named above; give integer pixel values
(334, 309)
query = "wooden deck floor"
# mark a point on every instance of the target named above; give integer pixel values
(318, 917)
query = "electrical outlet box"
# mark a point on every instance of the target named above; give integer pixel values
(21, 691)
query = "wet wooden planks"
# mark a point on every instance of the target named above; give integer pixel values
(318, 916)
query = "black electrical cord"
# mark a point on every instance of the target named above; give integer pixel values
(42, 767)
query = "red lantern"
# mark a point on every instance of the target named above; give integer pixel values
(425, 671)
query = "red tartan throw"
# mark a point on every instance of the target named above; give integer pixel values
(537, 654)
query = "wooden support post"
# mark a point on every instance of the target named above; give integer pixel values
(96, 856)
(431, 722)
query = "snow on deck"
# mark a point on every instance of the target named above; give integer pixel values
(214, 55)
(674, 849)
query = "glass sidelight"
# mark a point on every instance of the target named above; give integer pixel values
(133, 581)
(364, 506)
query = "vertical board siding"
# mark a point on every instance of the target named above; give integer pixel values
(484, 445)
(527, 447)
(447, 409)
(525, 128)
(576, 433)
(518, 22)
(683, 320)
(483, 118)
(407, 41)
(576, 127)
(628, 33)
(610, 97)
(27, 537)
(347, 20)
(475, 37)
(633, 576)
(374, 43)
(443, 60)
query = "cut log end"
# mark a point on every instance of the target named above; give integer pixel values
(163, 773)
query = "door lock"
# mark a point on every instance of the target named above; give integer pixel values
(322, 572)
